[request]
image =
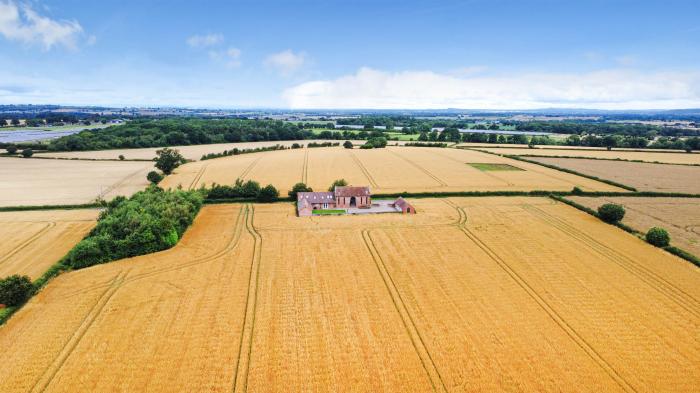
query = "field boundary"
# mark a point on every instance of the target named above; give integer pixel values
(679, 252)
(586, 158)
(20, 208)
(571, 148)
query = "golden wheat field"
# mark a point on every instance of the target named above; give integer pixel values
(640, 175)
(63, 182)
(469, 295)
(32, 241)
(389, 170)
(190, 152)
(650, 156)
(679, 216)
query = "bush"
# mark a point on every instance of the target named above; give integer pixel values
(121, 157)
(658, 237)
(15, 290)
(611, 212)
(149, 221)
(339, 182)
(268, 194)
(168, 159)
(11, 149)
(299, 187)
(347, 145)
(26, 153)
(154, 177)
(577, 191)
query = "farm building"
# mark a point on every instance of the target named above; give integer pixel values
(348, 200)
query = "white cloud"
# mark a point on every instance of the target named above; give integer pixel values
(23, 24)
(286, 62)
(203, 41)
(231, 57)
(609, 89)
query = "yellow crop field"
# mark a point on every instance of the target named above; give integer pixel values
(470, 294)
(66, 182)
(670, 157)
(389, 170)
(32, 241)
(679, 216)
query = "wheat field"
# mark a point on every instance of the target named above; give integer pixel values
(389, 170)
(32, 241)
(470, 294)
(668, 157)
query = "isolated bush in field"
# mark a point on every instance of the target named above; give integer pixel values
(268, 194)
(121, 157)
(611, 212)
(299, 187)
(26, 153)
(577, 191)
(15, 290)
(168, 159)
(658, 237)
(347, 145)
(339, 183)
(12, 149)
(154, 177)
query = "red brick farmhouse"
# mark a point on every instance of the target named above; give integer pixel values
(344, 197)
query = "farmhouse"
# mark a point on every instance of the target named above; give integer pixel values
(348, 199)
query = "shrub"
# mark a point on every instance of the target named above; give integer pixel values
(347, 145)
(658, 237)
(299, 187)
(26, 153)
(15, 290)
(296, 146)
(367, 145)
(168, 159)
(339, 182)
(268, 194)
(121, 157)
(11, 149)
(154, 177)
(611, 212)
(577, 191)
(249, 189)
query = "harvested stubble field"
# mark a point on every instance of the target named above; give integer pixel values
(651, 156)
(190, 152)
(32, 241)
(389, 170)
(58, 182)
(558, 147)
(640, 175)
(464, 296)
(679, 216)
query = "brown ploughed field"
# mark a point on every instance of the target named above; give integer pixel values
(468, 295)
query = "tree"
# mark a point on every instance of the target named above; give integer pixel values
(168, 159)
(347, 145)
(15, 290)
(433, 136)
(26, 153)
(154, 177)
(658, 237)
(250, 189)
(121, 157)
(423, 137)
(11, 149)
(268, 194)
(338, 183)
(3, 122)
(611, 212)
(15, 122)
(377, 142)
(609, 141)
(299, 187)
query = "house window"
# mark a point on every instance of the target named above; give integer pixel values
(325, 206)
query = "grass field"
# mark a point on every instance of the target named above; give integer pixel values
(679, 216)
(256, 299)
(651, 156)
(32, 241)
(494, 167)
(60, 182)
(642, 176)
(389, 170)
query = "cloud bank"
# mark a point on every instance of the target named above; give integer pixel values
(608, 89)
(23, 24)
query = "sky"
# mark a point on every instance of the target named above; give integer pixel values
(352, 54)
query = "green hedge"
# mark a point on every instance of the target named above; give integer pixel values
(50, 207)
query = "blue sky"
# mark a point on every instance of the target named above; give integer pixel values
(352, 54)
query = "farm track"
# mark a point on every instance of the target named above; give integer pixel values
(545, 306)
(305, 168)
(27, 242)
(47, 377)
(420, 168)
(118, 184)
(198, 176)
(233, 243)
(408, 321)
(250, 167)
(363, 169)
(240, 378)
(653, 280)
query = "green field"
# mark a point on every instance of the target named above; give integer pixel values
(493, 167)
(328, 212)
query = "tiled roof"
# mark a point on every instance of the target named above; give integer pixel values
(401, 203)
(316, 197)
(349, 191)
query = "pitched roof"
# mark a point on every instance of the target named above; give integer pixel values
(349, 191)
(316, 197)
(400, 202)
